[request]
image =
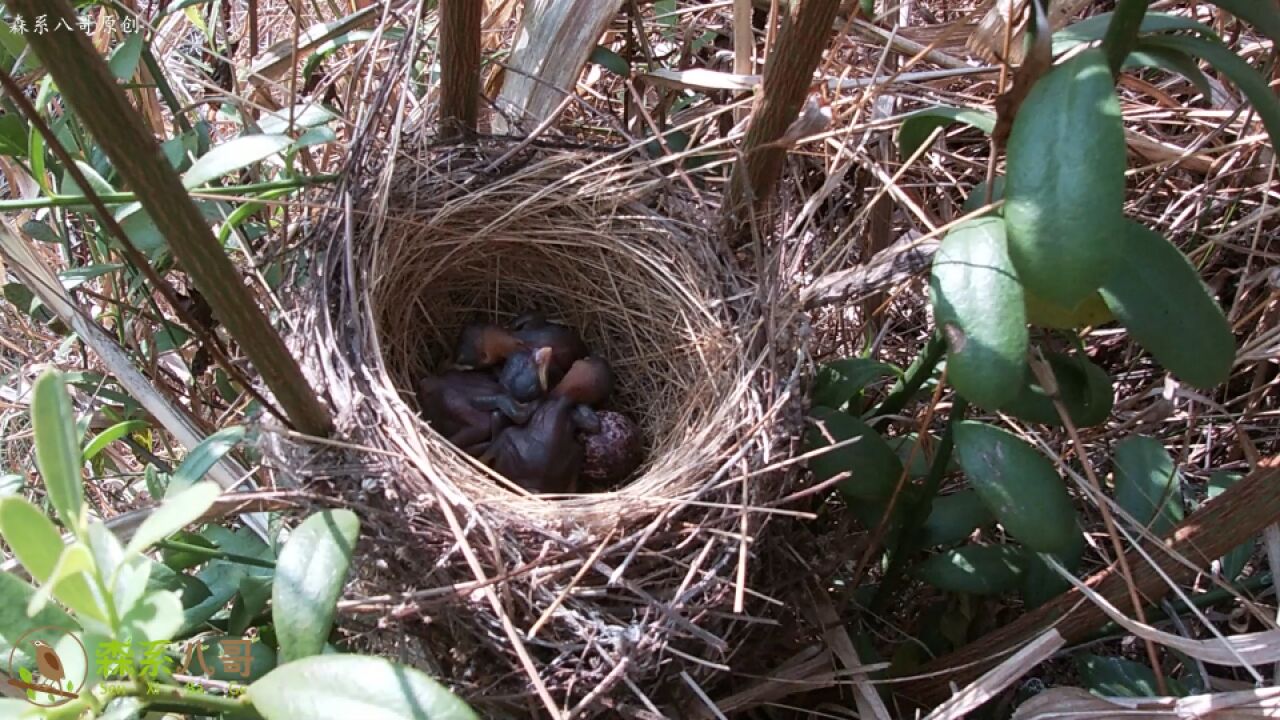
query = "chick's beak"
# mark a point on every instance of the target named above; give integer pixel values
(542, 358)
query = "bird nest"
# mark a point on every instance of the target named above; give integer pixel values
(595, 601)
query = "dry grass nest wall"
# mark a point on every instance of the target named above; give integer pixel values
(622, 586)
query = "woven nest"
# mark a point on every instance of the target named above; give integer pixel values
(595, 601)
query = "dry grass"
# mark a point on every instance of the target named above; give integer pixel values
(680, 571)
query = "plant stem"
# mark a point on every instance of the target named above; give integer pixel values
(459, 66)
(907, 543)
(123, 198)
(788, 75)
(87, 86)
(915, 377)
(1122, 32)
(154, 693)
(212, 554)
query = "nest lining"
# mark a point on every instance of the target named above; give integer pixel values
(603, 245)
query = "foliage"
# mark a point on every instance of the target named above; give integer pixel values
(1009, 287)
(120, 596)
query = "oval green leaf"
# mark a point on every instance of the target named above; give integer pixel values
(110, 435)
(310, 573)
(1064, 196)
(58, 448)
(839, 382)
(1019, 485)
(1085, 390)
(872, 467)
(1158, 296)
(975, 569)
(954, 517)
(178, 511)
(979, 308)
(204, 456)
(918, 126)
(1148, 484)
(232, 155)
(31, 535)
(341, 687)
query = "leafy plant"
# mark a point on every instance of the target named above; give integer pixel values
(1009, 288)
(116, 595)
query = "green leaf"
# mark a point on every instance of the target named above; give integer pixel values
(1250, 81)
(611, 61)
(130, 582)
(1234, 561)
(1085, 390)
(255, 590)
(96, 182)
(110, 435)
(309, 577)
(954, 517)
(1042, 583)
(918, 126)
(191, 591)
(58, 448)
(840, 381)
(15, 596)
(69, 582)
(222, 579)
(107, 551)
(13, 136)
(31, 536)
(157, 616)
(124, 59)
(1262, 16)
(1064, 193)
(917, 463)
(1092, 311)
(1094, 28)
(978, 196)
(1148, 485)
(261, 659)
(11, 484)
(979, 309)
(233, 155)
(1118, 677)
(873, 468)
(75, 277)
(305, 115)
(327, 48)
(975, 569)
(1169, 61)
(340, 687)
(1158, 296)
(204, 456)
(178, 511)
(1019, 485)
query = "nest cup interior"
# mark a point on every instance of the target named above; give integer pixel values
(629, 284)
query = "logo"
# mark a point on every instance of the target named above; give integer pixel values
(49, 685)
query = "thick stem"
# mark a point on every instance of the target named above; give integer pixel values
(459, 66)
(1122, 33)
(907, 544)
(101, 105)
(788, 75)
(179, 697)
(1210, 532)
(920, 371)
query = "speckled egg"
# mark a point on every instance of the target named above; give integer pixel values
(612, 454)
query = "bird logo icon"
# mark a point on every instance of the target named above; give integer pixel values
(48, 663)
(49, 686)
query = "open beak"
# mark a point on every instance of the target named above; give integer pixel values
(543, 359)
